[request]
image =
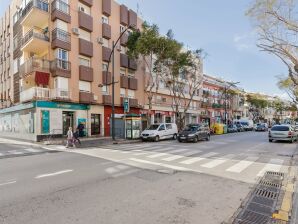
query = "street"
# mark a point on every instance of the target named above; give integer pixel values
(164, 182)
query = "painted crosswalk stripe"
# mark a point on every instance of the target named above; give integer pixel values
(32, 150)
(15, 152)
(242, 165)
(175, 157)
(141, 153)
(163, 149)
(164, 154)
(1, 154)
(273, 165)
(217, 162)
(197, 159)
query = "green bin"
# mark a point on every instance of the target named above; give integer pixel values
(225, 129)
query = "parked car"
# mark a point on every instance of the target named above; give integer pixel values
(194, 133)
(283, 133)
(240, 127)
(246, 123)
(262, 127)
(232, 128)
(160, 131)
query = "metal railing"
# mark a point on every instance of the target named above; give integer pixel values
(60, 94)
(60, 64)
(39, 4)
(61, 35)
(61, 6)
(34, 64)
(34, 93)
(35, 32)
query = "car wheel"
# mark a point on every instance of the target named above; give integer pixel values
(292, 140)
(270, 140)
(175, 136)
(179, 140)
(208, 138)
(196, 139)
(156, 138)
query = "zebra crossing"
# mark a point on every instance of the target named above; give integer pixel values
(187, 157)
(20, 152)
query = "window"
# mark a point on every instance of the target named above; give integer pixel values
(105, 19)
(122, 50)
(62, 56)
(61, 83)
(105, 42)
(162, 127)
(104, 67)
(169, 126)
(131, 94)
(122, 28)
(84, 35)
(164, 100)
(61, 25)
(84, 86)
(122, 92)
(84, 61)
(105, 89)
(84, 8)
(15, 17)
(62, 5)
(122, 71)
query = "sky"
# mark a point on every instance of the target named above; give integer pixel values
(222, 30)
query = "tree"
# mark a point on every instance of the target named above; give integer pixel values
(257, 106)
(144, 45)
(290, 88)
(182, 72)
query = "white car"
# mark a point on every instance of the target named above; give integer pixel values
(160, 131)
(283, 133)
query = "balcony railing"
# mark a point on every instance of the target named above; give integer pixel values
(34, 93)
(39, 4)
(61, 35)
(60, 64)
(34, 64)
(63, 94)
(35, 33)
(61, 6)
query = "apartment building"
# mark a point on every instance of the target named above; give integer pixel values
(54, 57)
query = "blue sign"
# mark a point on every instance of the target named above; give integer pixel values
(45, 122)
(69, 106)
(126, 105)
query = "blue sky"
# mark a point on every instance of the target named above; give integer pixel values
(222, 30)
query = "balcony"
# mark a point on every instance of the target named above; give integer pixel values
(60, 94)
(60, 10)
(34, 93)
(132, 18)
(86, 73)
(85, 21)
(86, 98)
(124, 60)
(106, 78)
(106, 31)
(107, 100)
(106, 52)
(124, 39)
(217, 105)
(132, 64)
(133, 103)
(106, 7)
(123, 15)
(87, 2)
(61, 68)
(61, 39)
(34, 65)
(123, 81)
(36, 40)
(85, 48)
(36, 13)
(132, 83)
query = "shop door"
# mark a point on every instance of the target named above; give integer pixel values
(95, 124)
(67, 121)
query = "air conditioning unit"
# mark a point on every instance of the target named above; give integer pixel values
(75, 31)
(95, 97)
(81, 9)
(99, 40)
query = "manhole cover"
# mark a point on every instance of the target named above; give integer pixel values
(249, 217)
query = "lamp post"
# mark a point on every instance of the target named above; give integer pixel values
(112, 57)
(226, 89)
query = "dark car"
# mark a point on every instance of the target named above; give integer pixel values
(194, 133)
(240, 127)
(262, 127)
(232, 128)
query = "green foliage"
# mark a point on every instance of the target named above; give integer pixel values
(257, 101)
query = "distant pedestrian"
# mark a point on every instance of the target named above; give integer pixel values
(76, 136)
(69, 138)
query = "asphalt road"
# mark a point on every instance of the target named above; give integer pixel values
(165, 182)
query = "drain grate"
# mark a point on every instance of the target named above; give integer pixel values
(262, 200)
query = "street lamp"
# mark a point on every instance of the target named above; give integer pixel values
(226, 89)
(114, 44)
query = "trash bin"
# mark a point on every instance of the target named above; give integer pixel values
(225, 127)
(218, 129)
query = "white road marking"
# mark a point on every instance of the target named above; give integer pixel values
(15, 152)
(53, 174)
(122, 167)
(141, 153)
(158, 155)
(242, 165)
(160, 164)
(111, 170)
(217, 162)
(32, 150)
(273, 165)
(127, 172)
(175, 157)
(163, 149)
(1, 154)
(7, 183)
(197, 159)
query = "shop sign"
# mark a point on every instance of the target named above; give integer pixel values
(68, 106)
(45, 122)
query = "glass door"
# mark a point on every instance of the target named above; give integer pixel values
(67, 121)
(95, 124)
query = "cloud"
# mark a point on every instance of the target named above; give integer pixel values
(243, 42)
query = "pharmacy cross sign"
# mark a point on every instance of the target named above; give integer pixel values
(126, 105)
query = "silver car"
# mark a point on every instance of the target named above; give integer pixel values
(283, 133)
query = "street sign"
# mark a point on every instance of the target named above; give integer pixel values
(126, 105)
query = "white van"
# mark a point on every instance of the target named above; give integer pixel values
(160, 131)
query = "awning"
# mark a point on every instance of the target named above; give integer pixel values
(42, 78)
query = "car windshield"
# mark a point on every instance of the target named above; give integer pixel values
(153, 127)
(191, 128)
(280, 128)
(244, 123)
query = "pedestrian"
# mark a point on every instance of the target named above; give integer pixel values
(69, 138)
(81, 129)
(76, 137)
